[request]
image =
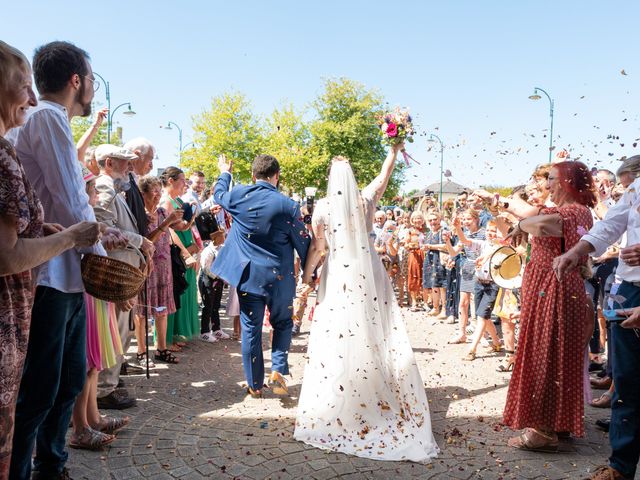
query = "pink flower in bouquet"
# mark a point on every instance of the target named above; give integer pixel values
(392, 130)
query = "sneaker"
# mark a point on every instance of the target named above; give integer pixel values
(220, 335)
(116, 400)
(208, 337)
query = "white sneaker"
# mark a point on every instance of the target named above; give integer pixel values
(220, 335)
(208, 337)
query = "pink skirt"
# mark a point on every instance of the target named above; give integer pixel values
(104, 346)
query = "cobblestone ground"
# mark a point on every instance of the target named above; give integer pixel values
(193, 421)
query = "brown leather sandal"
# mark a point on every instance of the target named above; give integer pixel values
(535, 441)
(605, 472)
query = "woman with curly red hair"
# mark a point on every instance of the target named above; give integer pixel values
(546, 390)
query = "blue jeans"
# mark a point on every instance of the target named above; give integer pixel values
(53, 376)
(251, 318)
(624, 430)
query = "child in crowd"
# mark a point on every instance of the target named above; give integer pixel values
(485, 292)
(210, 288)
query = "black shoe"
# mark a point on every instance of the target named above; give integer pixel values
(129, 369)
(64, 475)
(595, 366)
(116, 400)
(603, 424)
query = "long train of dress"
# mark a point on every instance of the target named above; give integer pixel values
(362, 392)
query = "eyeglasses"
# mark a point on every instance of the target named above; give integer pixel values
(94, 82)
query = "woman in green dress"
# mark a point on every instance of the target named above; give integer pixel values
(184, 324)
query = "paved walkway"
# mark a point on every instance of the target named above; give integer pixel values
(193, 421)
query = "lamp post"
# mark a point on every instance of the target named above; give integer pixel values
(168, 127)
(128, 113)
(108, 95)
(432, 138)
(536, 96)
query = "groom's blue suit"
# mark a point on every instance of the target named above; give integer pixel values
(257, 259)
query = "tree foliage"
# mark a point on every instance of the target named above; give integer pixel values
(79, 125)
(229, 126)
(346, 125)
(342, 121)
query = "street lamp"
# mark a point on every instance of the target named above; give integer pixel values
(432, 138)
(536, 96)
(128, 112)
(168, 127)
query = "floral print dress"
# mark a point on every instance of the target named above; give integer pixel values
(19, 201)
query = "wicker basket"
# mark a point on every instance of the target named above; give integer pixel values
(110, 279)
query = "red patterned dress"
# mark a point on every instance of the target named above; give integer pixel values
(546, 389)
(18, 201)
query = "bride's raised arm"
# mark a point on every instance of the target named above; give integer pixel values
(379, 184)
(316, 251)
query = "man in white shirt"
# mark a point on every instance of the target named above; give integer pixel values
(55, 367)
(624, 430)
(192, 196)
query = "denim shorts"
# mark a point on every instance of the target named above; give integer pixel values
(485, 295)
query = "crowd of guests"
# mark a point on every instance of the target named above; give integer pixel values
(570, 226)
(62, 355)
(62, 350)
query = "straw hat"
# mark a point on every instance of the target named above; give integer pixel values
(505, 267)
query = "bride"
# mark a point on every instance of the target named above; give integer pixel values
(362, 393)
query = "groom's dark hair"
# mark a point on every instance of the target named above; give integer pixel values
(265, 166)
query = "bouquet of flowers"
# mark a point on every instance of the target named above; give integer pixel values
(396, 127)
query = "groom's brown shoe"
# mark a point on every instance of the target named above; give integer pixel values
(278, 384)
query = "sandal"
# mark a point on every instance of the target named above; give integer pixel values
(174, 348)
(506, 365)
(254, 393)
(469, 357)
(535, 441)
(142, 360)
(457, 340)
(111, 425)
(604, 401)
(493, 349)
(90, 439)
(166, 356)
(605, 472)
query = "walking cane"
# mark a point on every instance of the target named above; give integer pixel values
(146, 323)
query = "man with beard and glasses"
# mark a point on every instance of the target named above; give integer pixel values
(55, 366)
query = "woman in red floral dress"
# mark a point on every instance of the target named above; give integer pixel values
(546, 390)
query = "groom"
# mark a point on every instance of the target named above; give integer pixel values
(257, 259)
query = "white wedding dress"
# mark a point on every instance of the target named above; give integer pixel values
(362, 393)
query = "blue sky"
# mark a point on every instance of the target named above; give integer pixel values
(464, 68)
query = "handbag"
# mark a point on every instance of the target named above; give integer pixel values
(179, 273)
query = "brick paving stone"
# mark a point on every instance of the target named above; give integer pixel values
(125, 473)
(193, 419)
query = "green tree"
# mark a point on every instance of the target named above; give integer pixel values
(79, 125)
(346, 125)
(229, 126)
(288, 138)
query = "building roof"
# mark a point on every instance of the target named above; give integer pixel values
(447, 187)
